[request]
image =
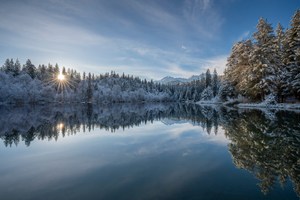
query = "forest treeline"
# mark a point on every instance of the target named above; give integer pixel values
(31, 84)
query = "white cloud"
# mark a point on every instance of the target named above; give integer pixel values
(35, 26)
(177, 71)
(59, 37)
(218, 63)
(203, 16)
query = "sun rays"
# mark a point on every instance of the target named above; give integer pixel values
(61, 82)
(61, 77)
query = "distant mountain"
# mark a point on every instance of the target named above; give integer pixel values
(172, 80)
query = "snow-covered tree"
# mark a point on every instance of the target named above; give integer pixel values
(8, 66)
(239, 70)
(215, 83)
(208, 78)
(226, 91)
(293, 54)
(89, 91)
(30, 69)
(16, 68)
(207, 94)
(280, 70)
(262, 60)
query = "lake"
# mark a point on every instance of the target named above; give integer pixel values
(148, 151)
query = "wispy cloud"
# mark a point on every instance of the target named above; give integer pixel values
(203, 16)
(33, 25)
(148, 38)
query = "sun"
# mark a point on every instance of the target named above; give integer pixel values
(61, 77)
(62, 82)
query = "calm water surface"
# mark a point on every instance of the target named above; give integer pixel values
(148, 151)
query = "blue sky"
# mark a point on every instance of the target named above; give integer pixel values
(148, 38)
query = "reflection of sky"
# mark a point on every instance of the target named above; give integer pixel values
(150, 161)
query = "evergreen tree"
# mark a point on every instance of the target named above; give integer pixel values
(56, 70)
(293, 54)
(17, 68)
(6, 67)
(207, 94)
(30, 69)
(215, 83)
(63, 71)
(262, 60)
(239, 70)
(280, 70)
(227, 91)
(89, 92)
(11, 66)
(208, 78)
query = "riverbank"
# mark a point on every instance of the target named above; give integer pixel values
(282, 106)
(236, 103)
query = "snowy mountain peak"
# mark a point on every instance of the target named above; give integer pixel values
(172, 80)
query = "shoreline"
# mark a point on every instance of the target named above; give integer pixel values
(281, 106)
(278, 106)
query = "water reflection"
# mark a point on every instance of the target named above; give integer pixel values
(28, 124)
(265, 143)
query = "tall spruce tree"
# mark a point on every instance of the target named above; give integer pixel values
(30, 69)
(89, 91)
(263, 64)
(17, 68)
(215, 83)
(280, 70)
(293, 54)
(6, 67)
(208, 78)
(239, 72)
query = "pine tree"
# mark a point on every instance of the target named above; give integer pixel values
(11, 66)
(207, 94)
(215, 83)
(208, 78)
(6, 67)
(30, 69)
(239, 70)
(293, 54)
(56, 70)
(42, 72)
(63, 71)
(227, 91)
(89, 92)
(17, 68)
(280, 70)
(262, 60)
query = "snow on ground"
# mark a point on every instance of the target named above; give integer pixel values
(282, 106)
(215, 100)
(269, 103)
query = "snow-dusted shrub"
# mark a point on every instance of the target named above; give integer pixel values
(207, 94)
(270, 100)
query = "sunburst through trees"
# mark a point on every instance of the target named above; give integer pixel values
(62, 83)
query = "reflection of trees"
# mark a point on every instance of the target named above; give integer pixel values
(266, 144)
(48, 122)
(267, 147)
